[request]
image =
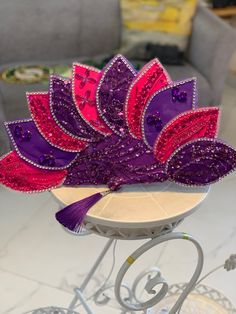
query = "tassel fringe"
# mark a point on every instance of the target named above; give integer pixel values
(72, 216)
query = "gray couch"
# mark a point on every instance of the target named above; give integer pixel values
(59, 31)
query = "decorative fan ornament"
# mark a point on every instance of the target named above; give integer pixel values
(114, 127)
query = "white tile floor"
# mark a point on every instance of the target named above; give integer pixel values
(39, 263)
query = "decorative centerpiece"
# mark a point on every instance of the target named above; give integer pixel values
(114, 127)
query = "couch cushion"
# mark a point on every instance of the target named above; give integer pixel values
(156, 29)
(57, 29)
(204, 89)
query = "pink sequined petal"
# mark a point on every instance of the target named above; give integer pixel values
(39, 107)
(184, 128)
(84, 85)
(150, 79)
(19, 175)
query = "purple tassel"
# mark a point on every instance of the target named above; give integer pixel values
(72, 216)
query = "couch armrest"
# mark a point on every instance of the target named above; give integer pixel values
(211, 45)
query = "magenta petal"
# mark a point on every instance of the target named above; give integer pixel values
(151, 78)
(184, 128)
(19, 175)
(201, 162)
(84, 85)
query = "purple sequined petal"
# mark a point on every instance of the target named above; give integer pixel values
(112, 90)
(65, 113)
(201, 162)
(166, 105)
(119, 157)
(34, 148)
(92, 166)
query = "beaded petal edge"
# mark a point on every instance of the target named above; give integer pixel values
(192, 142)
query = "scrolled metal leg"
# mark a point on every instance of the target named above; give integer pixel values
(79, 291)
(157, 280)
(151, 283)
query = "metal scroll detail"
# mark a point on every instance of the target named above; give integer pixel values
(157, 280)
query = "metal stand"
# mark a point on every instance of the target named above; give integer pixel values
(159, 297)
(79, 291)
(169, 299)
(157, 280)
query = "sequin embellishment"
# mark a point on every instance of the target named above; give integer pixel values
(19, 175)
(150, 79)
(113, 161)
(65, 113)
(167, 108)
(201, 162)
(21, 134)
(40, 111)
(112, 91)
(184, 128)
